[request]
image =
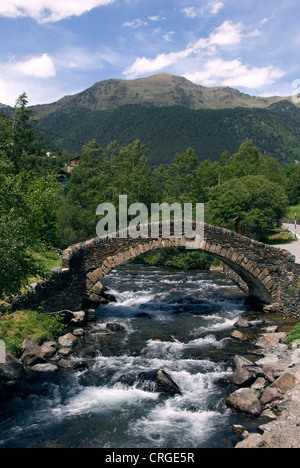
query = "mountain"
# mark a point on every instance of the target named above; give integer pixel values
(162, 90)
(169, 114)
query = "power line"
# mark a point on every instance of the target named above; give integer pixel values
(41, 130)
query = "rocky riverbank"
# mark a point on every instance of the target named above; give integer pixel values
(267, 379)
(269, 388)
(43, 363)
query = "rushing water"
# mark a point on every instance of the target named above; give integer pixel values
(176, 321)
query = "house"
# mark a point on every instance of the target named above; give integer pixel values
(73, 163)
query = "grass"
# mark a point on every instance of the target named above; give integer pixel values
(34, 325)
(49, 259)
(279, 236)
(294, 335)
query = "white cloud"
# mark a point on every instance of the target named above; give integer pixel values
(37, 67)
(195, 12)
(190, 12)
(226, 35)
(219, 72)
(215, 71)
(157, 18)
(135, 24)
(169, 36)
(144, 65)
(216, 7)
(48, 10)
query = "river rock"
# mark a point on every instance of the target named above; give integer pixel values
(242, 377)
(78, 319)
(68, 340)
(259, 384)
(242, 323)
(158, 381)
(270, 340)
(66, 315)
(65, 352)
(271, 394)
(245, 400)
(115, 327)
(45, 368)
(285, 382)
(48, 349)
(250, 442)
(238, 335)
(31, 353)
(90, 315)
(12, 370)
(240, 362)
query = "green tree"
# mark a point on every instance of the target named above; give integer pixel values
(103, 175)
(28, 223)
(28, 204)
(291, 174)
(259, 202)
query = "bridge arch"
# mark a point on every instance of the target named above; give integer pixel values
(263, 268)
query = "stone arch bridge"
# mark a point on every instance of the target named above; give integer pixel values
(271, 274)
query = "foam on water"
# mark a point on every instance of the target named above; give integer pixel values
(104, 399)
(185, 336)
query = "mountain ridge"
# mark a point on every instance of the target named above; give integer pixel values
(169, 114)
(161, 90)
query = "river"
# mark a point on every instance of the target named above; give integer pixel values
(172, 320)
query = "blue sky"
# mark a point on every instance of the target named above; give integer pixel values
(53, 48)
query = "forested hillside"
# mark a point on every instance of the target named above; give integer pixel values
(168, 114)
(167, 130)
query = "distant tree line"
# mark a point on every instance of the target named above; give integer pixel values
(246, 185)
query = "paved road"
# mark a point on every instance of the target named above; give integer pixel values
(293, 247)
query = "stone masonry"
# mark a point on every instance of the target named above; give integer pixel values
(270, 273)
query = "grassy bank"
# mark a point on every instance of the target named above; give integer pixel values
(278, 236)
(293, 335)
(48, 260)
(36, 326)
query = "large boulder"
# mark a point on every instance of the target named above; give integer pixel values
(285, 382)
(243, 378)
(68, 340)
(245, 400)
(12, 370)
(115, 327)
(270, 340)
(48, 349)
(31, 353)
(157, 381)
